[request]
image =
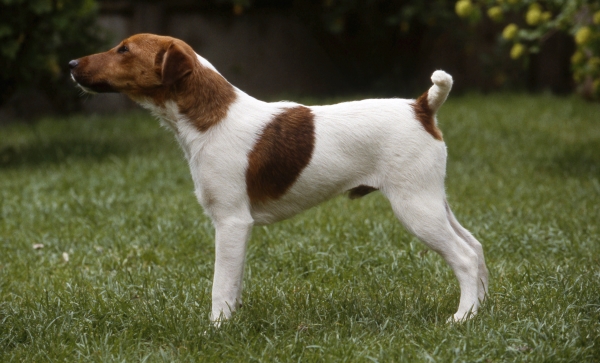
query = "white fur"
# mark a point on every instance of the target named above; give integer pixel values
(206, 63)
(376, 142)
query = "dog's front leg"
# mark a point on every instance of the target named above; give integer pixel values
(231, 237)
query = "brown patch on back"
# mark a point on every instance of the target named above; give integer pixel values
(360, 191)
(282, 151)
(425, 115)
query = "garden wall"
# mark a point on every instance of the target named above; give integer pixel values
(270, 53)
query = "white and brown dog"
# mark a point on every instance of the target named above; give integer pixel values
(254, 162)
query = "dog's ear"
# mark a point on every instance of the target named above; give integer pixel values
(176, 64)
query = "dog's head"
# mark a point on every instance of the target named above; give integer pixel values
(148, 67)
(141, 64)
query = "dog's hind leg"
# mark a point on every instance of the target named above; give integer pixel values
(475, 245)
(423, 213)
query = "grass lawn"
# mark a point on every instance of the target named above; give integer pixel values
(341, 282)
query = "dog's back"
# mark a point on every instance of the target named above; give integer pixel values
(364, 144)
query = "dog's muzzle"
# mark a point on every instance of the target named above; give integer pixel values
(85, 83)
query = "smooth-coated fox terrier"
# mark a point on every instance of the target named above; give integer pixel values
(255, 162)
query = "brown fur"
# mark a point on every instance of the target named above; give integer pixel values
(424, 114)
(160, 69)
(204, 97)
(283, 150)
(360, 191)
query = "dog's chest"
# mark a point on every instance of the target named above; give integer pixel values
(218, 160)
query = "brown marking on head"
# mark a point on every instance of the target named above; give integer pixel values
(282, 151)
(360, 191)
(159, 69)
(425, 115)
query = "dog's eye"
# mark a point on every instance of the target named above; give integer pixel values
(123, 49)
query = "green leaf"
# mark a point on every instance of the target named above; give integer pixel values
(9, 49)
(5, 30)
(40, 6)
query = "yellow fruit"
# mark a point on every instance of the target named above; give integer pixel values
(597, 17)
(583, 35)
(463, 8)
(517, 51)
(510, 31)
(546, 15)
(533, 16)
(577, 57)
(535, 6)
(495, 13)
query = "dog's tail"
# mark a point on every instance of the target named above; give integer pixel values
(436, 96)
(426, 106)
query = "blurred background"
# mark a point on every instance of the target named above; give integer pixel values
(276, 49)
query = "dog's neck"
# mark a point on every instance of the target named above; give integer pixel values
(202, 98)
(167, 112)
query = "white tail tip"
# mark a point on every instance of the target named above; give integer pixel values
(442, 83)
(441, 79)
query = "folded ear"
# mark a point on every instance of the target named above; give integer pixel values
(177, 63)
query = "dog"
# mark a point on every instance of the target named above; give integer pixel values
(254, 162)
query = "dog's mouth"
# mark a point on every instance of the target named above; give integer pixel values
(93, 87)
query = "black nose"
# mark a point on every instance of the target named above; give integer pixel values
(74, 63)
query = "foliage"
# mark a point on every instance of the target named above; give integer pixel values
(342, 282)
(37, 40)
(537, 20)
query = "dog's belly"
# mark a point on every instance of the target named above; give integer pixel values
(287, 207)
(318, 183)
(263, 216)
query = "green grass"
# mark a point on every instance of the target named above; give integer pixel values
(341, 282)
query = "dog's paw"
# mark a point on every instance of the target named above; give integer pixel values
(461, 317)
